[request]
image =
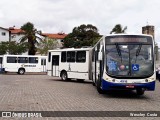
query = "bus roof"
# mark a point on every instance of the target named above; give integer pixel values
(25, 55)
(127, 34)
(71, 49)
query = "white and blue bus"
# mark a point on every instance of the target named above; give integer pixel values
(124, 62)
(116, 62)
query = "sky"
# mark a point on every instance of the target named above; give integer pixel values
(53, 16)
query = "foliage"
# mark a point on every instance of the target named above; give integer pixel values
(30, 37)
(45, 45)
(3, 48)
(13, 48)
(83, 35)
(118, 29)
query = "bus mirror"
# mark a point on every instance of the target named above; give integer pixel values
(100, 56)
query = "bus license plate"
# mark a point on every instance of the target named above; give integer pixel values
(129, 86)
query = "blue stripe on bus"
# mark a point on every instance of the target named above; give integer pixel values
(110, 86)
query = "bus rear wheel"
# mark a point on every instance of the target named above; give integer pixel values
(64, 76)
(140, 91)
(21, 71)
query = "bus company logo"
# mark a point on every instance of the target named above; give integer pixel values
(6, 114)
(69, 67)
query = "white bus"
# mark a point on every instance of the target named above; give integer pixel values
(70, 63)
(24, 63)
(116, 62)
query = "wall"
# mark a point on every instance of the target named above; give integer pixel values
(4, 38)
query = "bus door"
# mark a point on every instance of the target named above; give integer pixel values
(43, 65)
(1, 59)
(55, 65)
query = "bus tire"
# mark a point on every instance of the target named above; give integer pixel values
(80, 80)
(21, 71)
(64, 76)
(100, 91)
(140, 91)
(93, 83)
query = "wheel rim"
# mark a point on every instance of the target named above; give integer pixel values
(21, 71)
(64, 76)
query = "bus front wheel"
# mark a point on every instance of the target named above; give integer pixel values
(99, 89)
(140, 91)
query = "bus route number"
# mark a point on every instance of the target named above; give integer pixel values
(123, 81)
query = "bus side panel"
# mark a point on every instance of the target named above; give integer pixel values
(9, 67)
(79, 70)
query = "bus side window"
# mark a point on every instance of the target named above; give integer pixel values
(81, 56)
(71, 56)
(0, 60)
(93, 55)
(33, 59)
(11, 59)
(22, 60)
(43, 61)
(49, 57)
(63, 57)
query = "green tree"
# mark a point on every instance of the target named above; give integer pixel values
(30, 37)
(83, 35)
(13, 48)
(45, 45)
(118, 29)
(3, 48)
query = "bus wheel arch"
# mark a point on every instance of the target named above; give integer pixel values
(98, 85)
(140, 91)
(21, 71)
(64, 75)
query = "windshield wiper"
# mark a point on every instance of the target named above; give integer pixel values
(119, 51)
(138, 51)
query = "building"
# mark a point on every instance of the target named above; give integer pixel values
(16, 34)
(59, 37)
(4, 34)
(149, 29)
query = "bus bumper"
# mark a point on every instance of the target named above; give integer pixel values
(2, 70)
(113, 86)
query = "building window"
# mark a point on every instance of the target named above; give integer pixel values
(3, 34)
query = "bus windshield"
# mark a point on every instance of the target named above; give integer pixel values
(126, 59)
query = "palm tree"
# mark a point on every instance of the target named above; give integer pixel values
(118, 29)
(30, 37)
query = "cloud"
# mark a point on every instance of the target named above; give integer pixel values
(63, 15)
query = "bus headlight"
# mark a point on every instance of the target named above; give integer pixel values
(113, 80)
(146, 80)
